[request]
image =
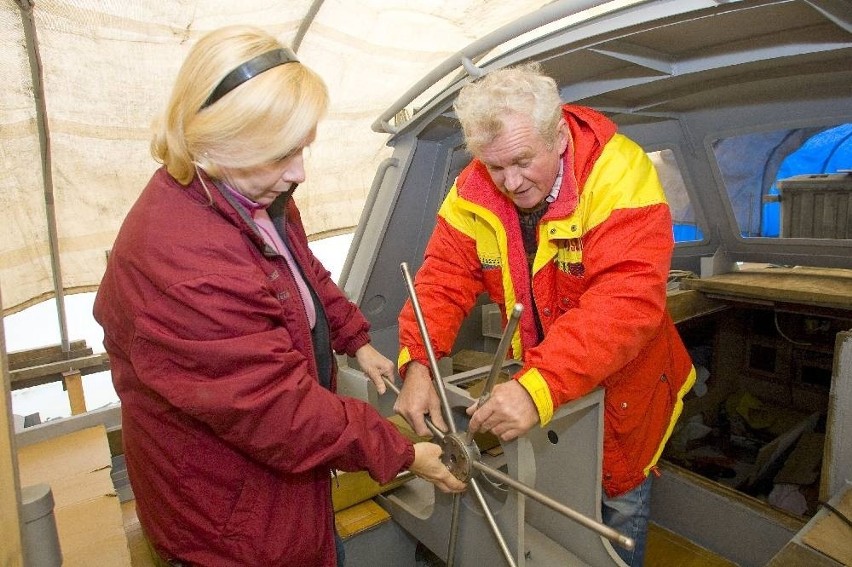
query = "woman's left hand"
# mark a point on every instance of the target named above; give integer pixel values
(375, 365)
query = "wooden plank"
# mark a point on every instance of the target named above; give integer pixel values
(78, 353)
(46, 373)
(829, 534)
(43, 355)
(74, 386)
(684, 305)
(360, 518)
(665, 549)
(465, 360)
(812, 286)
(351, 488)
(794, 553)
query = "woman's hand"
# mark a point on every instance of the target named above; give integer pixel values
(428, 466)
(375, 365)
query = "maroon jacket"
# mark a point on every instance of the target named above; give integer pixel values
(228, 435)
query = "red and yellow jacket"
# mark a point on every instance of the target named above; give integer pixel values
(598, 282)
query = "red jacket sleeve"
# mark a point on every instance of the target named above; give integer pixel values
(444, 306)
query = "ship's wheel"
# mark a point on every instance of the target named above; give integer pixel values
(462, 456)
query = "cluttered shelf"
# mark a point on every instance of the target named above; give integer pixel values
(759, 417)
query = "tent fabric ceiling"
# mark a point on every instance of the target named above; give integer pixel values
(106, 68)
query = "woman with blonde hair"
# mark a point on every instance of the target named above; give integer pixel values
(221, 326)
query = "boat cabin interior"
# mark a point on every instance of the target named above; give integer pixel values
(745, 107)
(731, 101)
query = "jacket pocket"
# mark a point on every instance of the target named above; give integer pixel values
(569, 288)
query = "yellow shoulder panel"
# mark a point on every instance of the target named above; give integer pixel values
(622, 178)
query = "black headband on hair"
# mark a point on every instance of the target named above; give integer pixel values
(251, 68)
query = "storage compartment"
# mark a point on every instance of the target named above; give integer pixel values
(756, 420)
(816, 206)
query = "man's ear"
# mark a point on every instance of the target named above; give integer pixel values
(562, 136)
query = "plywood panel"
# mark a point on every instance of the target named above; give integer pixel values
(809, 286)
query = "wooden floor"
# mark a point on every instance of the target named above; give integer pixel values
(665, 549)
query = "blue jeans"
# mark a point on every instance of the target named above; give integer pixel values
(628, 515)
(341, 552)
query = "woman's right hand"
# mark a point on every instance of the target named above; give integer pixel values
(428, 466)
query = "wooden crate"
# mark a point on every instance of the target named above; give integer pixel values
(816, 206)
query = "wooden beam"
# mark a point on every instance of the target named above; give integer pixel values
(684, 305)
(43, 355)
(52, 372)
(74, 386)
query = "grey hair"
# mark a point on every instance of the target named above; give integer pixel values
(482, 105)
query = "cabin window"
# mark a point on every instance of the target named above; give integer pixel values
(792, 183)
(686, 228)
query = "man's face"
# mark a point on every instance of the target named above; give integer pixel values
(520, 162)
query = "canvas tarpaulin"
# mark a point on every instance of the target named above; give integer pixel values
(106, 68)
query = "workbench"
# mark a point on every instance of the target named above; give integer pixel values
(767, 284)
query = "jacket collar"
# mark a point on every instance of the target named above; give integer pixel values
(211, 192)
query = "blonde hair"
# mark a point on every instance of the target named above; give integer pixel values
(261, 120)
(483, 104)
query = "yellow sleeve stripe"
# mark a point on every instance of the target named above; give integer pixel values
(678, 408)
(404, 357)
(538, 390)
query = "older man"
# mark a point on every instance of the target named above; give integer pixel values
(560, 213)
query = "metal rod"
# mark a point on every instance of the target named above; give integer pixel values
(500, 355)
(499, 358)
(430, 353)
(451, 547)
(601, 529)
(37, 73)
(597, 527)
(549, 13)
(454, 530)
(492, 523)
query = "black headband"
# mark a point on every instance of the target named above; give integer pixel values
(251, 68)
